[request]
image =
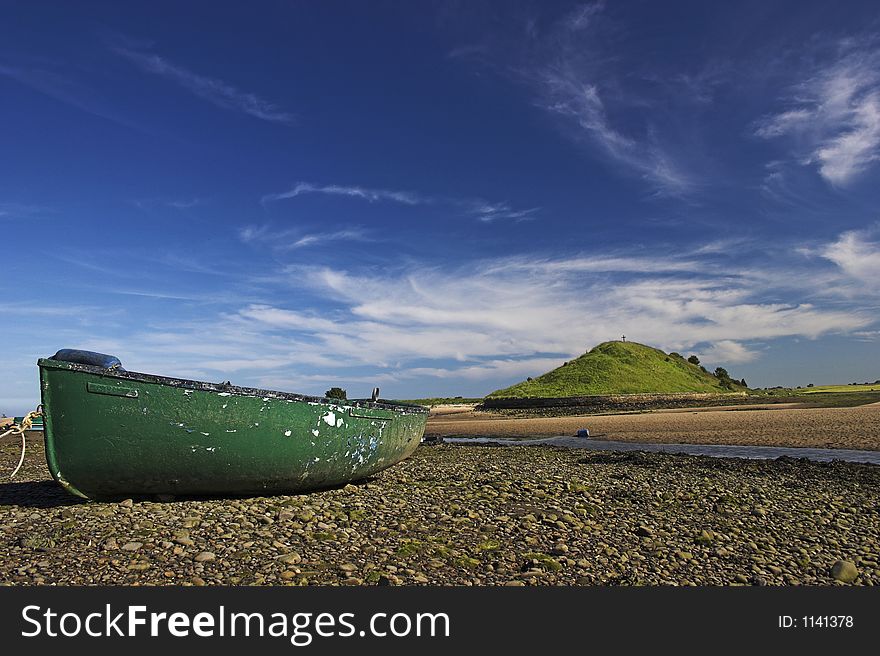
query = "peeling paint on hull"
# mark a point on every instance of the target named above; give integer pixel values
(187, 437)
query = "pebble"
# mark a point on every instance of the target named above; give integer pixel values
(205, 557)
(844, 571)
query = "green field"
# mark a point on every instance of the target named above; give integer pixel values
(874, 387)
(621, 368)
(827, 396)
(442, 400)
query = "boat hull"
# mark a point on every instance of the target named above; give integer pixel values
(115, 433)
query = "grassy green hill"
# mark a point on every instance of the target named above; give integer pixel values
(619, 368)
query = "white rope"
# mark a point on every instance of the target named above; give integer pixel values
(20, 429)
(21, 458)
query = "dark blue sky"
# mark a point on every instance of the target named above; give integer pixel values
(438, 197)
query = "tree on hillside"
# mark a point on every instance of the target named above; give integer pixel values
(694, 359)
(336, 393)
(724, 378)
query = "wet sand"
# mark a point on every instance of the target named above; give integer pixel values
(785, 425)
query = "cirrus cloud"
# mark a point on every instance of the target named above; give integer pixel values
(834, 115)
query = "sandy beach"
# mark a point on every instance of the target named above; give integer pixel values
(763, 425)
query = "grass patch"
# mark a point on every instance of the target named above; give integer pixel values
(542, 560)
(467, 561)
(410, 548)
(415, 547)
(489, 545)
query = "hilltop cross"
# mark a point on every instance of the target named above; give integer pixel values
(623, 338)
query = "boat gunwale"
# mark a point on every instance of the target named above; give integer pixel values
(221, 388)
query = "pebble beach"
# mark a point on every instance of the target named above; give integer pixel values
(468, 515)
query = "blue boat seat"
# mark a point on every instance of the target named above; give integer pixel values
(89, 357)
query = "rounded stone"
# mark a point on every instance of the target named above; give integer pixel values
(845, 571)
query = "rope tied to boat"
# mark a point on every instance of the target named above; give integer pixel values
(25, 425)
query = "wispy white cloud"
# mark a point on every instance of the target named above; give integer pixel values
(214, 90)
(147, 204)
(252, 233)
(582, 15)
(18, 211)
(617, 263)
(729, 352)
(699, 87)
(479, 208)
(857, 256)
(779, 124)
(21, 309)
(298, 237)
(316, 238)
(721, 245)
(184, 203)
(468, 50)
(488, 212)
(45, 78)
(567, 92)
(371, 195)
(834, 115)
(288, 319)
(497, 369)
(568, 78)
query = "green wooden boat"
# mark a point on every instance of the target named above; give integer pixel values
(111, 432)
